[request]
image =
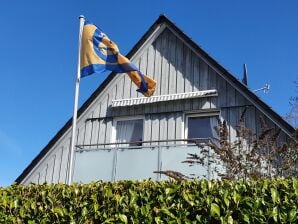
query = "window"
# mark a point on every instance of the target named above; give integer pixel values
(201, 127)
(129, 131)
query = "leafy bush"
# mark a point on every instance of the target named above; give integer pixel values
(203, 201)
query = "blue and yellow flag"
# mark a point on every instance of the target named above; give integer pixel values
(99, 54)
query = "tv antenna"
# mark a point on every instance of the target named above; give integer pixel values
(265, 89)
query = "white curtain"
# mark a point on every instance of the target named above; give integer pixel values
(124, 131)
(213, 125)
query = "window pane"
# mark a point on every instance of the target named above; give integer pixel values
(202, 127)
(129, 131)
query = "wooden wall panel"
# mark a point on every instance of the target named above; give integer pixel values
(163, 128)
(155, 127)
(203, 76)
(81, 134)
(171, 133)
(88, 131)
(250, 121)
(102, 131)
(189, 77)
(164, 83)
(188, 69)
(179, 67)
(50, 167)
(43, 174)
(35, 179)
(179, 125)
(133, 87)
(64, 163)
(112, 93)
(147, 135)
(95, 126)
(104, 105)
(108, 133)
(127, 84)
(232, 123)
(224, 115)
(157, 67)
(150, 68)
(57, 166)
(212, 85)
(230, 95)
(172, 65)
(221, 89)
(150, 61)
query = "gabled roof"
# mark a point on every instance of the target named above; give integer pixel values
(212, 62)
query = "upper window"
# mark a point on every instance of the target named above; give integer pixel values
(129, 131)
(202, 127)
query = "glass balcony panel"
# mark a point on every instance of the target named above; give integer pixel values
(93, 165)
(137, 163)
(172, 157)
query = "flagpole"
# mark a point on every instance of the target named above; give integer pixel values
(75, 107)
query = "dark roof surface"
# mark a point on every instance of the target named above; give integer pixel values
(162, 19)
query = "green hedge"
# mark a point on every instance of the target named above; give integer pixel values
(202, 201)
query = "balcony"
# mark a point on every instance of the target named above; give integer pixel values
(138, 160)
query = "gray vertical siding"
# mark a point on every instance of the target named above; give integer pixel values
(177, 69)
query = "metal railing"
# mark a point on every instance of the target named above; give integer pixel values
(113, 145)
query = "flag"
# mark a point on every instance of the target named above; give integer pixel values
(99, 54)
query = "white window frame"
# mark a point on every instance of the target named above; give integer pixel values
(206, 114)
(126, 118)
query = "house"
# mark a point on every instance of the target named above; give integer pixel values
(123, 135)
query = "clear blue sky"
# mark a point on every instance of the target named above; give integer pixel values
(38, 52)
